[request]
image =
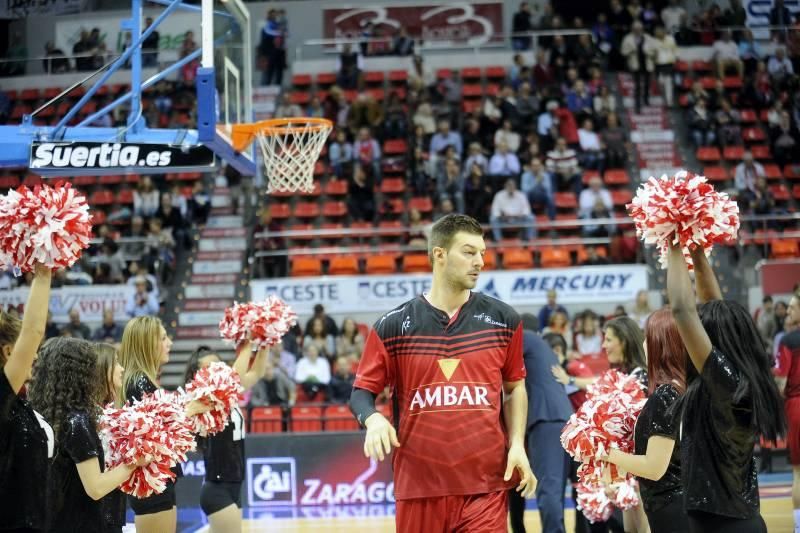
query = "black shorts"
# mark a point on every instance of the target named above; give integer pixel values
(217, 495)
(156, 503)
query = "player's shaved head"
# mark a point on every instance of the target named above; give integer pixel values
(446, 228)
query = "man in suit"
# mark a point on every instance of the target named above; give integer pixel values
(549, 409)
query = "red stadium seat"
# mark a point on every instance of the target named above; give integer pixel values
(102, 198)
(301, 80)
(708, 154)
(125, 197)
(336, 188)
(415, 263)
(616, 177)
(622, 197)
(334, 209)
(280, 211)
(783, 248)
(772, 171)
(517, 259)
(733, 153)
(344, 265)
(761, 152)
(423, 204)
(556, 257)
(305, 419)
(489, 260)
(393, 186)
(753, 134)
(306, 266)
(306, 210)
(398, 76)
(471, 73)
(381, 264)
(565, 200)
(315, 191)
(339, 418)
(266, 420)
(716, 173)
(395, 147)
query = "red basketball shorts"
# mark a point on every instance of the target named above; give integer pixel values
(793, 429)
(472, 513)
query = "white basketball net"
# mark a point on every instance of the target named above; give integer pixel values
(290, 155)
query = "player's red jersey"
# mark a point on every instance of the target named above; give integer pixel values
(447, 379)
(788, 364)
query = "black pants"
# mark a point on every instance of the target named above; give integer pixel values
(641, 82)
(669, 519)
(700, 522)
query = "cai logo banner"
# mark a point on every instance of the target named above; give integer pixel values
(271, 481)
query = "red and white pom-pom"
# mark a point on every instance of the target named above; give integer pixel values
(593, 502)
(263, 323)
(625, 496)
(219, 386)
(685, 210)
(154, 429)
(47, 225)
(606, 419)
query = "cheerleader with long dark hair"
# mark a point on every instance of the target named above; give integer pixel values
(26, 440)
(223, 452)
(731, 400)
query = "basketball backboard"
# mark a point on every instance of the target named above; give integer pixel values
(220, 67)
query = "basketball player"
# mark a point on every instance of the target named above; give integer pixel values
(453, 358)
(788, 377)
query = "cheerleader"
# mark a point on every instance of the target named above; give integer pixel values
(223, 452)
(26, 440)
(64, 389)
(731, 400)
(144, 349)
(108, 374)
(656, 458)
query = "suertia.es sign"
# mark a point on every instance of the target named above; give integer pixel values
(88, 158)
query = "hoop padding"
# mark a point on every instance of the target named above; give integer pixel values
(290, 148)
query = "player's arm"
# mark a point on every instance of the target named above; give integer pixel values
(784, 368)
(371, 378)
(515, 414)
(653, 465)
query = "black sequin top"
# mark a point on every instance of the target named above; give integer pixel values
(114, 509)
(223, 452)
(719, 472)
(657, 420)
(26, 444)
(71, 509)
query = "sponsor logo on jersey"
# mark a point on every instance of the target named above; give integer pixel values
(489, 320)
(435, 396)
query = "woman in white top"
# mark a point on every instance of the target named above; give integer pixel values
(146, 199)
(641, 308)
(590, 339)
(666, 52)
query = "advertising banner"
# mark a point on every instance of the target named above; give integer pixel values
(353, 294)
(758, 14)
(473, 23)
(89, 300)
(298, 470)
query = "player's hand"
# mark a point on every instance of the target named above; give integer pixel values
(518, 459)
(380, 438)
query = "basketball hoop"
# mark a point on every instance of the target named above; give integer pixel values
(290, 148)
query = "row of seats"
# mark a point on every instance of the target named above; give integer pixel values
(306, 418)
(386, 262)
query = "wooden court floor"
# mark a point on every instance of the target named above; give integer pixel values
(777, 512)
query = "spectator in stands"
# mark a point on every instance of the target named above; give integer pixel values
(366, 112)
(445, 137)
(286, 108)
(423, 118)
(145, 198)
(446, 207)
(604, 103)
(318, 335)
(328, 321)
(614, 141)
(781, 311)
(579, 101)
(403, 44)
(420, 76)
(729, 129)
(349, 339)
(641, 308)
(75, 328)
(380, 44)
(537, 184)
(521, 25)
(368, 153)
(342, 381)
(784, 140)
(141, 302)
(527, 105)
(558, 323)
(491, 115)
(516, 69)
(189, 70)
(420, 173)
(82, 53)
(672, 16)
(780, 67)
(450, 91)
(340, 154)
(503, 165)
(199, 203)
(361, 195)
(543, 74)
(563, 163)
(592, 150)
(726, 55)
(508, 136)
(745, 177)
(765, 321)
(56, 61)
(136, 271)
(172, 220)
(595, 203)
(477, 194)
(109, 331)
(150, 46)
(272, 48)
(417, 236)
(593, 258)
(701, 124)
(696, 93)
(111, 255)
(476, 157)
(349, 66)
(160, 245)
(450, 183)
(315, 108)
(666, 53)
(639, 49)
(780, 15)
(762, 201)
(749, 51)
(511, 207)
(51, 329)
(283, 359)
(274, 389)
(589, 340)
(313, 372)
(396, 121)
